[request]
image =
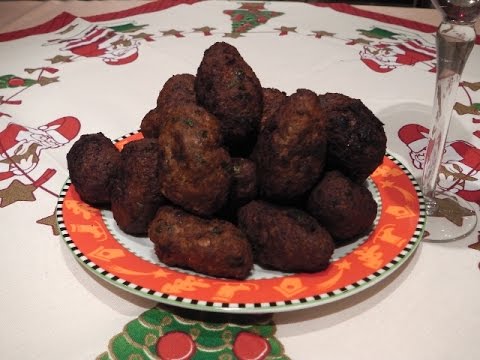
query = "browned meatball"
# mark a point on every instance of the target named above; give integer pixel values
(345, 208)
(176, 90)
(228, 88)
(92, 162)
(243, 188)
(196, 170)
(150, 124)
(285, 238)
(272, 100)
(244, 181)
(290, 151)
(356, 138)
(136, 194)
(212, 247)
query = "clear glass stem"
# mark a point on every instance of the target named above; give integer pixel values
(454, 44)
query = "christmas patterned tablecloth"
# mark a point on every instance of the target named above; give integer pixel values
(72, 76)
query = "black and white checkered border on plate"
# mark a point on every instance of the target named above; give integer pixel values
(126, 136)
(277, 306)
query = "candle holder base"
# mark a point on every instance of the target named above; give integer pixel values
(449, 218)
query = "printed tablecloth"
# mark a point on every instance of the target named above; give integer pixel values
(72, 76)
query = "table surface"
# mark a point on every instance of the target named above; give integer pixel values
(54, 309)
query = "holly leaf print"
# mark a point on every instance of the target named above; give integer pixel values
(127, 28)
(472, 86)
(462, 109)
(43, 80)
(378, 33)
(60, 59)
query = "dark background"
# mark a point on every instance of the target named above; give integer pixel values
(406, 3)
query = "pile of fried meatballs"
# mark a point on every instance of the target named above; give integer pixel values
(229, 174)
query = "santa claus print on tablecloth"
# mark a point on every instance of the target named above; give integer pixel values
(387, 50)
(20, 151)
(459, 172)
(383, 50)
(114, 45)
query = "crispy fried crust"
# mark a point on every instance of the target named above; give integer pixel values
(228, 88)
(176, 90)
(243, 188)
(150, 124)
(211, 247)
(136, 193)
(196, 170)
(285, 238)
(356, 138)
(272, 100)
(345, 208)
(290, 150)
(92, 162)
(244, 181)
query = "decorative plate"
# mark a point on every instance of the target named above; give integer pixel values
(130, 263)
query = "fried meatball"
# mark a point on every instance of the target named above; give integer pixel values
(228, 88)
(285, 238)
(244, 181)
(196, 170)
(272, 100)
(176, 90)
(345, 208)
(212, 247)
(92, 162)
(136, 194)
(243, 188)
(290, 151)
(150, 124)
(356, 138)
